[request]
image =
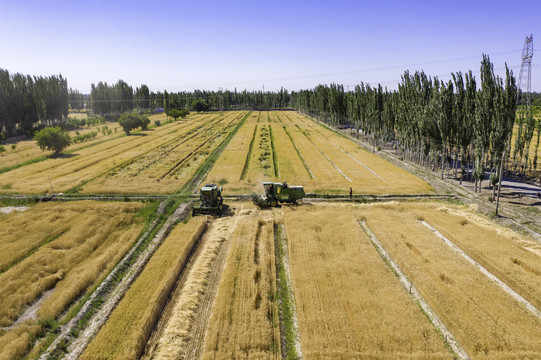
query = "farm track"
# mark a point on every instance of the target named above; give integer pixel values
(181, 329)
(438, 324)
(482, 269)
(325, 155)
(317, 129)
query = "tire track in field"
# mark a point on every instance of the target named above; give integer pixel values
(160, 155)
(314, 126)
(481, 268)
(325, 155)
(182, 327)
(438, 324)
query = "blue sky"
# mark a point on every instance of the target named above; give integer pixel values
(186, 45)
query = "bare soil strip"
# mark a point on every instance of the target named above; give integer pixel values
(448, 337)
(481, 268)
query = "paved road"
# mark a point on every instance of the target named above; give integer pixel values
(523, 188)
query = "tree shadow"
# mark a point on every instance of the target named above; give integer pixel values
(63, 156)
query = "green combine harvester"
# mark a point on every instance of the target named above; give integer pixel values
(210, 197)
(276, 193)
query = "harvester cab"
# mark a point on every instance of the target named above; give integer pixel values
(210, 197)
(276, 193)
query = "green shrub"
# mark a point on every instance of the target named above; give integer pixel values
(53, 138)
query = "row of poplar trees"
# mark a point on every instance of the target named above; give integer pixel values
(29, 100)
(120, 97)
(458, 123)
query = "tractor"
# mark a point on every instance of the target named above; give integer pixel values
(210, 197)
(276, 193)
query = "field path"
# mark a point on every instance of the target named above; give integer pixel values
(181, 329)
(449, 338)
(481, 268)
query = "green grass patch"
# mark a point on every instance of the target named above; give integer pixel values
(248, 156)
(274, 156)
(287, 328)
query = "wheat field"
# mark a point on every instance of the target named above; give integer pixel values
(244, 318)
(127, 330)
(284, 145)
(68, 248)
(488, 322)
(349, 303)
(77, 169)
(28, 150)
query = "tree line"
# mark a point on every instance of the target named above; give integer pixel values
(462, 122)
(120, 97)
(28, 100)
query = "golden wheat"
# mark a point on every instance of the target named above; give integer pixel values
(126, 332)
(487, 321)
(68, 171)
(244, 320)
(349, 303)
(93, 229)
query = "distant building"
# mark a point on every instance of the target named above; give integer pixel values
(160, 110)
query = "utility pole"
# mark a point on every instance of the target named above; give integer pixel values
(524, 98)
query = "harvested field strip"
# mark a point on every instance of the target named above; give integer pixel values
(206, 141)
(261, 164)
(408, 286)
(167, 148)
(144, 175)
(244, 321)
(513, 258)
(186, 314)
(481, 268)
(289, 163)
(359, 162)
(274, 156)
(126, 332)
(289, 327)
(398, 178)
(488, 322)
(248, 155)
(27, 151)
(303, 160)
(358, 171)
(70, 171)
(349, 303)
(321, 169)
(233, 160)
(323, 153)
